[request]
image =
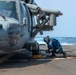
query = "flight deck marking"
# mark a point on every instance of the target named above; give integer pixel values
(70, 57)
(6, 57)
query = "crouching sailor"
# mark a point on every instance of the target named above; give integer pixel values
(54, 45)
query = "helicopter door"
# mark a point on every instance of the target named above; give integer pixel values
(25, 17)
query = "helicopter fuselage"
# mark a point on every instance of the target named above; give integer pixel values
(15, 25)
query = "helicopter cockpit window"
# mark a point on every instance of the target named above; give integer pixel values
(23, 12)
(8, 8)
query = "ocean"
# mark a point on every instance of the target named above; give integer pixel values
(62, 40)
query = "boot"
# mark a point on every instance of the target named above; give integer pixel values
(64, 54)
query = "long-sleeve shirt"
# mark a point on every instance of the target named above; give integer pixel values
(54, 44)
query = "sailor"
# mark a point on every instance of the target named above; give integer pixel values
(54, 45)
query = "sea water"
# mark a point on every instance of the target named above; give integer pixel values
(62, 40)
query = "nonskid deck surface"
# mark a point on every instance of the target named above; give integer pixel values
(45, 66)
(39, 67)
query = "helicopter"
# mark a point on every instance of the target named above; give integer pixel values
(20, 21)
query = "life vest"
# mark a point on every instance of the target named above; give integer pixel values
(54, 43)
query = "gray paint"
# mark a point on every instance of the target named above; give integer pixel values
(52, 20)
(14, 34)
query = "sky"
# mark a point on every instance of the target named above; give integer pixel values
(66, 24)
